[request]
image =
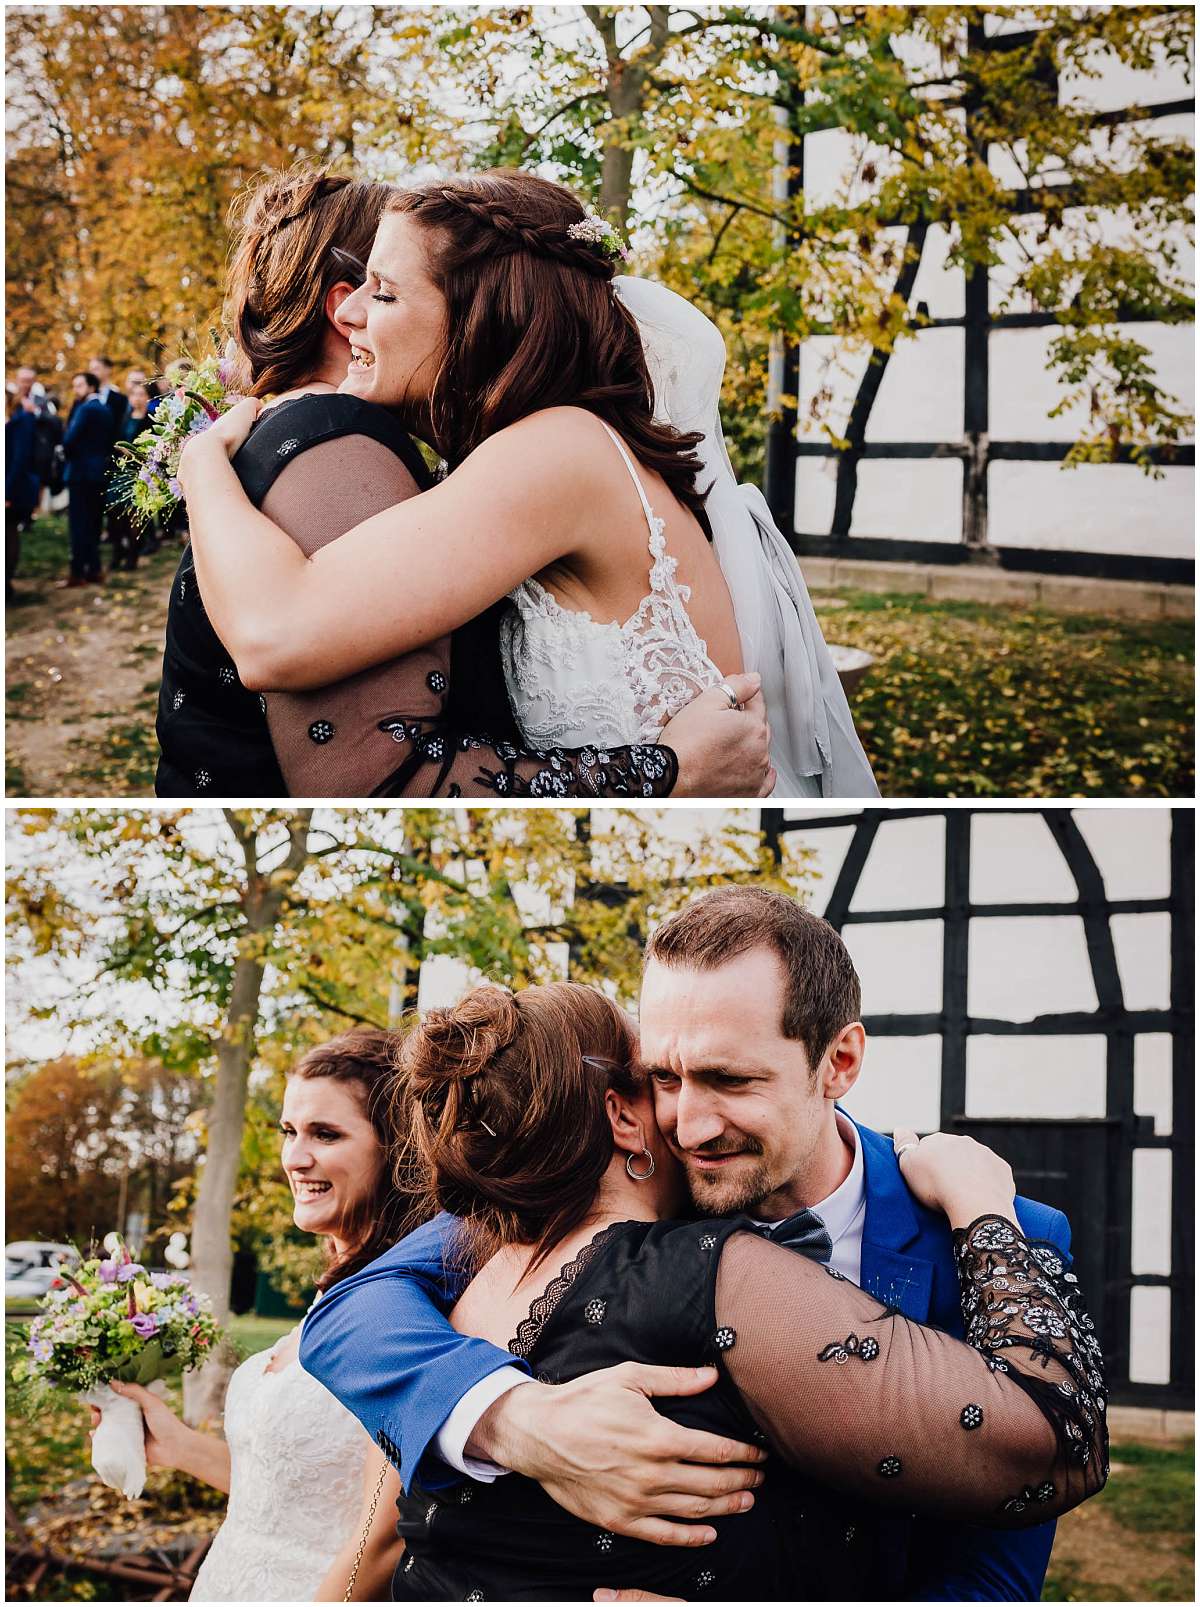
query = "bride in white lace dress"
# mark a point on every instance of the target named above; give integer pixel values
(302, 1475)
(489, 319)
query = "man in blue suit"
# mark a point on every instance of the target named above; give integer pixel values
(88, 447)
(749, 1030)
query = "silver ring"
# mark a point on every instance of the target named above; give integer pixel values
(730, 694)
(912, 1144)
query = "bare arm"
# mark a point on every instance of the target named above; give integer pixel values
(385, 730)
(395, 582)
(375, 1531)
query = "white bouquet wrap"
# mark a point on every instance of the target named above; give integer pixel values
(119, 1439)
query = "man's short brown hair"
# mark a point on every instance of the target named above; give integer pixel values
(822, 993)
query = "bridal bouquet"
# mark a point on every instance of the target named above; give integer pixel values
(111, 1320)
(145, 477)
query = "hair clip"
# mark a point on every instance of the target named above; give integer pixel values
(488, 1130)
(355, 270)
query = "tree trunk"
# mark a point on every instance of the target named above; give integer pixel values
(626, 93)
(211, 1248)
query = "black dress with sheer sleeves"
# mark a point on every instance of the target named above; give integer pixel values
(433, 723)
(869, 1415)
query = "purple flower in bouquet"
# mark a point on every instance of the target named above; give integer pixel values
(108, 1272)
(128, 1271)
(176, 490)
(145, 1324)
(162, 1280)
(42, 1348)
(225, 371)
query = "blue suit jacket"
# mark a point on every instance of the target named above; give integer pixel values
(88, 442)
(381, 1343)
(20, 481)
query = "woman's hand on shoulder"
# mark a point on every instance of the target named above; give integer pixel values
(956, 1175)
(723, 752)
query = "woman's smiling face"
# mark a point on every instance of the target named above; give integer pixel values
(396, 321)
(331, 1154)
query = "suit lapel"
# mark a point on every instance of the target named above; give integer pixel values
(892, 1271)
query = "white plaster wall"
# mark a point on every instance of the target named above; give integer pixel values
(1100, 508)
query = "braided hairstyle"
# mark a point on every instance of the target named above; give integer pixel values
(500, 1115)
(287, 228)
(532, 322)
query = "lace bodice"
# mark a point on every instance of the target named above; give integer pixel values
(295, 1490)
(573, 680)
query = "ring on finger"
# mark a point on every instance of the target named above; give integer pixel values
(910, 1144)
(730, 694)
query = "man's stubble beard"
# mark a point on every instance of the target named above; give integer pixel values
(726, 1196)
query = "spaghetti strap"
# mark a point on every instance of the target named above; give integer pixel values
(654, 524)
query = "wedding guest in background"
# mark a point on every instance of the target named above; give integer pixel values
(88, 446)
(114, 401)
(21, 485)
(124, 531)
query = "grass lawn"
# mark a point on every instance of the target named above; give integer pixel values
(973, 700)
(1135, 1541)
(965, 700)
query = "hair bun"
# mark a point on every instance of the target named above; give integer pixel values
(457, 1043)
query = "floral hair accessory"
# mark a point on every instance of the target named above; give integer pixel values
(595, 232)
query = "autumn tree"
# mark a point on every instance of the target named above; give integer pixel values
(132, 128)
(89, 1140)
(62, 1167)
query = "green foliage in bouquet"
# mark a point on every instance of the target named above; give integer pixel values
(111, 1319)
(145, 480)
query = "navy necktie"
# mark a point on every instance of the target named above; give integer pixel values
(804, 1232)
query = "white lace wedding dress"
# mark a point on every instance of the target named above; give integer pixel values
(295, 1489)
(575, 682)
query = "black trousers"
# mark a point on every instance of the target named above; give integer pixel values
(85, 519)
(15, 520)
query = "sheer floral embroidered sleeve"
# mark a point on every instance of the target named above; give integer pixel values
(1005, 1430)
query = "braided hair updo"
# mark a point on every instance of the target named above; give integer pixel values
(501, 1115)
(287, 230)
(532, 322)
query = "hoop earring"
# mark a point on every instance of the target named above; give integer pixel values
(640, 1177)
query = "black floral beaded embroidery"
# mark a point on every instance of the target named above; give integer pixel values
(1018, 1295)
(841, 1351)
(629, 772)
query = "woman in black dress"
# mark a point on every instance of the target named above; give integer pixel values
(530, 1119)
(435, 722)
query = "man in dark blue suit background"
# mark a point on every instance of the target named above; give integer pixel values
(749, 1029)
(88, 448)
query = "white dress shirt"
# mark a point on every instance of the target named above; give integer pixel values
(842, 1212)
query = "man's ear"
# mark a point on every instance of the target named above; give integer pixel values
(628, 1129)
(843, 1060)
